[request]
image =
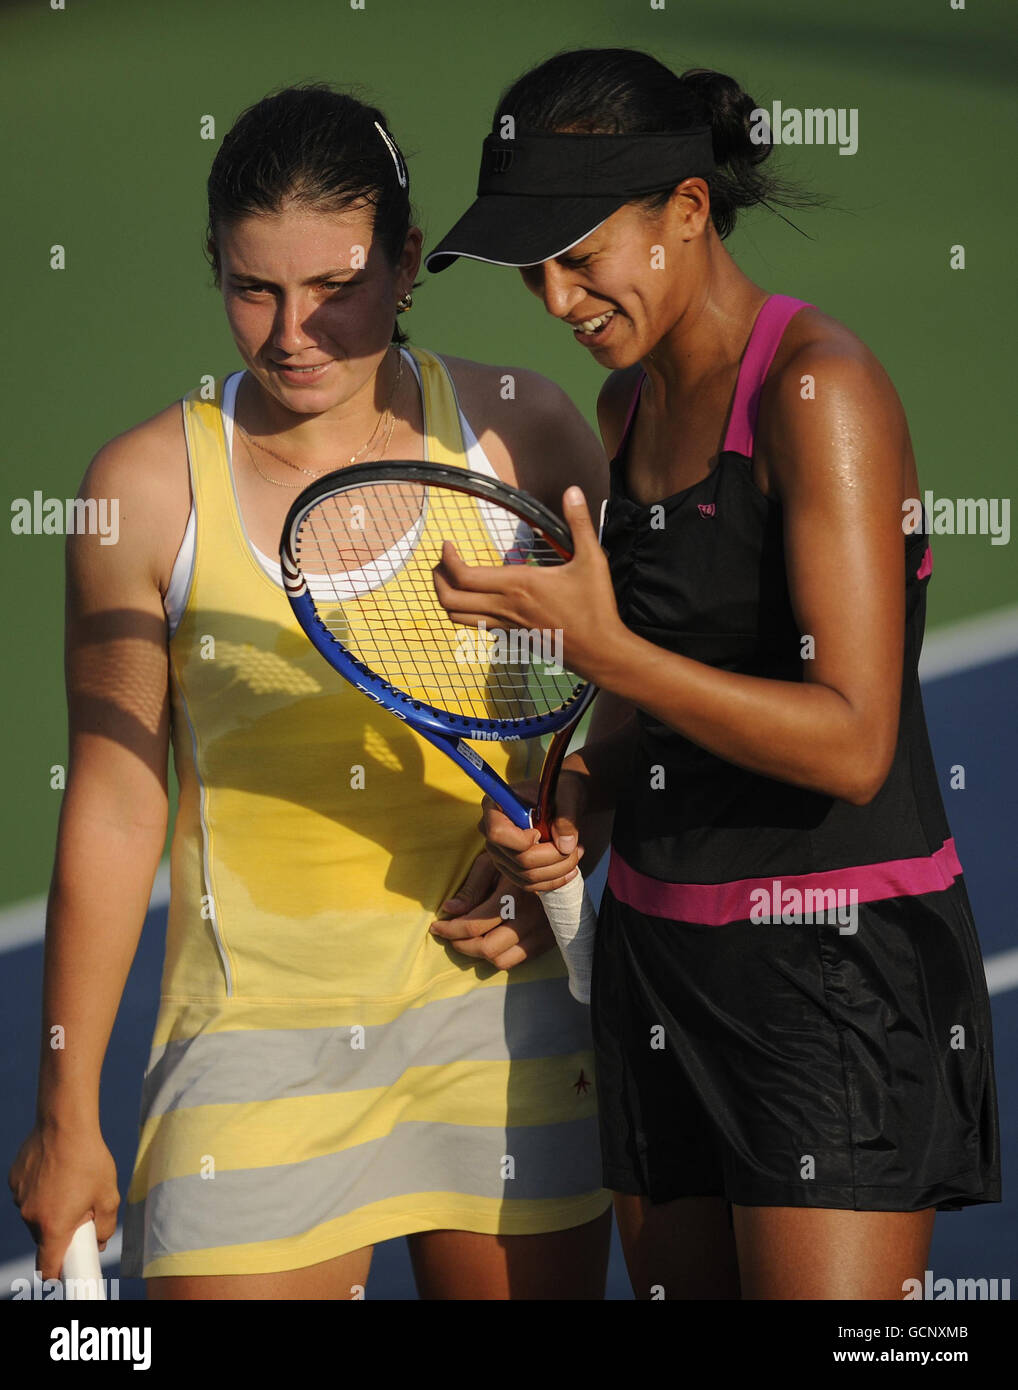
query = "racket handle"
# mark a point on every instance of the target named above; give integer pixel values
(81, 1263)
(574, 921)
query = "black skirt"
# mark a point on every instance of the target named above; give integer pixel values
(804, 1065)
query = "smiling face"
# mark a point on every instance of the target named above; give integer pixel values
(311, 298)
(624, 287)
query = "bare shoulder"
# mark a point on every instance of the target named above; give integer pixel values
(827, 388)
(143, 455)
(530, 429)
(817, 354)
(144, 470)
(613, 405)
(486, 384)
(508, 399)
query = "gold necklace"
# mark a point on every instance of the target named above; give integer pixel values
(278, 483)
(275, 481)
(248, 440)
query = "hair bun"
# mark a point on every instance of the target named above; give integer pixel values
(729, 111)
(621, 91)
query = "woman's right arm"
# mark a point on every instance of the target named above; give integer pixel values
(111, 834)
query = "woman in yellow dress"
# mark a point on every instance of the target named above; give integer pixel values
(331, 1065)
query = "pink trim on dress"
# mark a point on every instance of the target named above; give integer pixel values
(765, 335)
(926, 568)
(771, 322)
(716, 904)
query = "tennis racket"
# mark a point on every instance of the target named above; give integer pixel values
(81, 1265)
(358, 551)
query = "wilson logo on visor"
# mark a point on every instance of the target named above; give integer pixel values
(500, 161)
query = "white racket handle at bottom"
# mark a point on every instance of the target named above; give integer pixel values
(573, 919)
(81, 1263)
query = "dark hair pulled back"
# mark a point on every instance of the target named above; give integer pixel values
(315, 147)
(622, 91)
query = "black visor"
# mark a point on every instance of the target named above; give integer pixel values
(541, 194)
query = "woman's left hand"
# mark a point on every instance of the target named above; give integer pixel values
(479, 928)
(575, 598)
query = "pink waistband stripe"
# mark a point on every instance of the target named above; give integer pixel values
(716, 904)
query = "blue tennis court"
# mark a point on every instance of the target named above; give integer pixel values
(970, 714)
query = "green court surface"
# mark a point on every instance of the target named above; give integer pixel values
(103, 105)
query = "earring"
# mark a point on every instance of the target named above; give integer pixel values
(407, 302)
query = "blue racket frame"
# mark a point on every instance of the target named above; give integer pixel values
(446, 731)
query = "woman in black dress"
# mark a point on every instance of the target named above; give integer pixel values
(792, 1028)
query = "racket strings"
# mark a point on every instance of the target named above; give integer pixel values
(368, 556)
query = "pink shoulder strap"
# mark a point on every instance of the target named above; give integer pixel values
(771, 322)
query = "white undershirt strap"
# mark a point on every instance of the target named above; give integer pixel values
(183, 566)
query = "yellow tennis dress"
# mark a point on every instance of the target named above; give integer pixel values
(325, 1073)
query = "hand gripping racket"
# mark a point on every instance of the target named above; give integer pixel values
(358, 552)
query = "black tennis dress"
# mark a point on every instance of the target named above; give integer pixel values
(789, 1005)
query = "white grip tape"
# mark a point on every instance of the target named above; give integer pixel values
(81, 1263)
(573, 919)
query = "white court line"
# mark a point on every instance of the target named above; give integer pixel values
(23, 1267)
(973, 642)
(947, 650)
(1002, 971)
(24, 923)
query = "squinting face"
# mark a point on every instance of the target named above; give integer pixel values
(618, 289)
(311, 299)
